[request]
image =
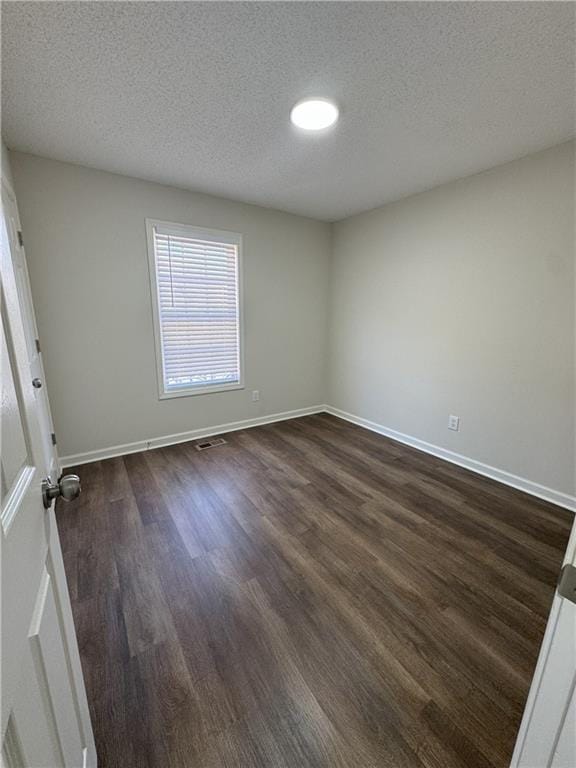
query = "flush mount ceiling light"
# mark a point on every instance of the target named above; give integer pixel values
(314, 114)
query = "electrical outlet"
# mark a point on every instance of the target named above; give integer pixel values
(454, 423)
(255, 395)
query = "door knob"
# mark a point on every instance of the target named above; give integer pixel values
(37, 383)
(68, 488)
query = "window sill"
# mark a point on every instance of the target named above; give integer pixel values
(192, 391)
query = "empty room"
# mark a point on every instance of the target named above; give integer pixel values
(288, 402)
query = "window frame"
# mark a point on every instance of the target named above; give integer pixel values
(214, 235)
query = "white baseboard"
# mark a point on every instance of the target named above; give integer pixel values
(183, 437)
(507, 478)
(534, 489)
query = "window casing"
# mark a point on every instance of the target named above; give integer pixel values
(196, 279)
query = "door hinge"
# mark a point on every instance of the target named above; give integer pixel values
(38, 345)
(20, 239)
(567, 583)
(53, 436)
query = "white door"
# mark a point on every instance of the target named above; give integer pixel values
(547, 736)
(30, 330)
(44, 715)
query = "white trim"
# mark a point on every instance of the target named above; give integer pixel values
(520, 759)
(5, 181)
(40, 604)
(507, 478)
(209, 389)
(215, 235)
(539, 672)
(528, 486)
(183, 437)
(15, 496)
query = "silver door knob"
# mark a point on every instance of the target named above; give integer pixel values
(37, 383)
(67, 488)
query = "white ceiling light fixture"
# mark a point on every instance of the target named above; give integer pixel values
(314, 114)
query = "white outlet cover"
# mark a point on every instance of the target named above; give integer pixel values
(454, 423)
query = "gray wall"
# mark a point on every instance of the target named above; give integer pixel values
(458, 300)
(86, 249)
(461, 300)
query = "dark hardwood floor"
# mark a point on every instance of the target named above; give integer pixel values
(309, 594)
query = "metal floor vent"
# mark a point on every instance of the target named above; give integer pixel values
(203, 445)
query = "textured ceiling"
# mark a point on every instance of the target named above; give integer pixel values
(198, 94)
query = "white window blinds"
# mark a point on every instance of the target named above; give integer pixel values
(198, 308)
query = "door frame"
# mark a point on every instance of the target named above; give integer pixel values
(546, 738)
(53, 467)
(47, 464)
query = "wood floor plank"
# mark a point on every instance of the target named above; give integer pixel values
(307, 595)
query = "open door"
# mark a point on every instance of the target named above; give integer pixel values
(31, 335)
(547, 736)
(45, 720)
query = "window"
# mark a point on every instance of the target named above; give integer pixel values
(195, 278)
